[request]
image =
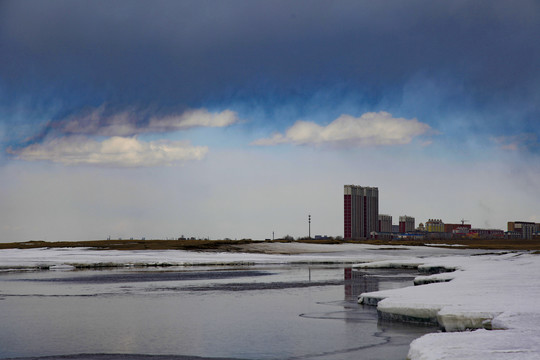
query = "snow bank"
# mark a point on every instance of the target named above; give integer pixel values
(480, 344)
(44, 258)
(56, 258)
(412, 263)
(63, 258)
(443, 277)
(497, 292)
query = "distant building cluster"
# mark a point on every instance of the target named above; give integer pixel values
(362, 220)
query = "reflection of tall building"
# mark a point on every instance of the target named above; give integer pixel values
(406, 224)
(358, 282)
(361, 211)
(385, 223)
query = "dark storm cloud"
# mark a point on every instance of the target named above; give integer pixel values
(187, 54)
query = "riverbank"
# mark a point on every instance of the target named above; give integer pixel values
(249, 245)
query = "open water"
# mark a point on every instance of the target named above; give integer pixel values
(251, 312)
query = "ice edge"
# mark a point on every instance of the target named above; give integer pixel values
(423, 314)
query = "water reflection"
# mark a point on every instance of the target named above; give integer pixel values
(259, 312)
(357, 282)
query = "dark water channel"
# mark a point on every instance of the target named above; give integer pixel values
(255, 312)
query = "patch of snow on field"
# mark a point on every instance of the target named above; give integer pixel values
(55, 257)
(80, 257)
(410, 263)
(497, 292)
(266, 253)
(445, 245)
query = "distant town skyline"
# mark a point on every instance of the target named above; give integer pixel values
(362, 219)
(239, 119)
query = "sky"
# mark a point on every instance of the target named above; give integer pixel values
(238, 119)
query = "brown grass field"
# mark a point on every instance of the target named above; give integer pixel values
(236, 245)
(202, 245)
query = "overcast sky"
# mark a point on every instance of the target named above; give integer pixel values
(239, 118)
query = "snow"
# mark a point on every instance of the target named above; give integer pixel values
(413, 263)
(487, 304)
(443, 277)
(479, 344)
(269, 253)
(86, 257)
(62, 267)
(498, 292)
(445, 245)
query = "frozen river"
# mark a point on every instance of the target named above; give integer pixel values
(263, 311)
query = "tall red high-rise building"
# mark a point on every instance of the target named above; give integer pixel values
(361, 211)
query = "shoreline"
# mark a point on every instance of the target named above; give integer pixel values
(265, 246)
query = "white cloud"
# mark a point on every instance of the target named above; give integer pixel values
(367, 130)
(130, 122)
(70, 141)
(192, 118)
(115, 151)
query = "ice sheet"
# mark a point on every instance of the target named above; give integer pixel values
(486, 292)
(271, 253)
(58, 258)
